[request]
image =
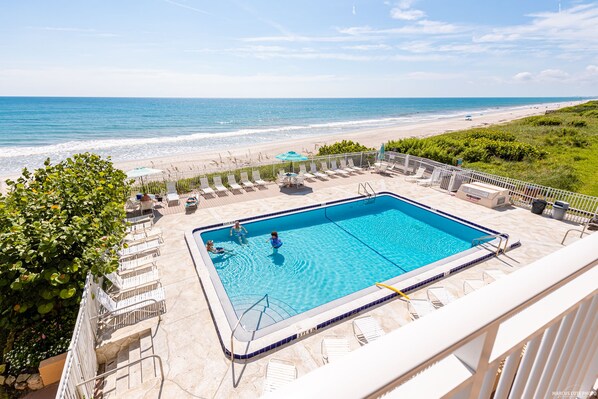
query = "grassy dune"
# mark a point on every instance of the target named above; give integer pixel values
(558, 150)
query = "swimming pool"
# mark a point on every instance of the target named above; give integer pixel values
(331, 254)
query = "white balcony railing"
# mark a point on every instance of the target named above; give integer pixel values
(531, 334)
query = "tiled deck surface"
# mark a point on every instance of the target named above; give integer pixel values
(186, 338)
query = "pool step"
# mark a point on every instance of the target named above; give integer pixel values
(261, 314)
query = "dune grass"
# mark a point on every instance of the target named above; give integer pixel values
(558, 150)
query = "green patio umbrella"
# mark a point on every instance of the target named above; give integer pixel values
(381, 152)
(291, 156)
(140, 172)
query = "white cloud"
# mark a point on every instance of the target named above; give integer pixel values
(434, 75)
(198, 10)
(368, 47)
(407, 15)
(523, 76)
(354, 10)
(592, 69)
(552, 74)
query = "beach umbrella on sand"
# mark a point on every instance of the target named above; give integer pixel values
(291, 156)
(381, 152)
(140, 172)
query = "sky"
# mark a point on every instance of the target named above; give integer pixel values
(307, 48)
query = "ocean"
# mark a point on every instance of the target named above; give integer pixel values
(34, 128)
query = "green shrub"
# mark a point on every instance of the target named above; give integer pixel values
(579, 123)
(343, 147)
(56, 225)
(544, 121)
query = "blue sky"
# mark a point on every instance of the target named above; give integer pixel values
(308, 48)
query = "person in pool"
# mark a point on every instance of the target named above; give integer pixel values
(240, 232)
(216, 250)
(275, 241)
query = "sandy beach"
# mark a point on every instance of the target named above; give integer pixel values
(249, 155)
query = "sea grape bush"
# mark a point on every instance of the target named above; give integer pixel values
(342, 147)
(57, 224)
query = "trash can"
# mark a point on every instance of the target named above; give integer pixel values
(538, 206)
(559, 209)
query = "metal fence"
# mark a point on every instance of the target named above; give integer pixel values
(581, 207)
(81, 361)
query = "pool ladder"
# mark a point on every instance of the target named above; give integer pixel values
(232, 334)
(366, 189)
(478, 241)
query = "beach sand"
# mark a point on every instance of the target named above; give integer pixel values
(255, 154)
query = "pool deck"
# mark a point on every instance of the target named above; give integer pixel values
(186, 338)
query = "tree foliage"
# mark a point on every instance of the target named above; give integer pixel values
(342, 147)
(57, 224)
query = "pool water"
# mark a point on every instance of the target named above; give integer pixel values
(331, 252)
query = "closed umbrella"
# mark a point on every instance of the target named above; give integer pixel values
(291, 156)
(140, 172)
(381, 152)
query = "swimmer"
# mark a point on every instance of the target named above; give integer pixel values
(275, 241)
(240, 232)
(216, 250)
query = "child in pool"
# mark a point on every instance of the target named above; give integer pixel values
(275, 241)
(239, 231)
(216, 250)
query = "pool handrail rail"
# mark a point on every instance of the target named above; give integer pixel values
(232, 334)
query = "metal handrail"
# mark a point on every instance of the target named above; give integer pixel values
(498, 248)
(232, 334)
(582, 232)
(365, 186)
(126, 365)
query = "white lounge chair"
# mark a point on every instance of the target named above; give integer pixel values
(133, 279)
(141, 248)
(139, 227)
(257, 179)
(314, 171)
(131, 205)
(367, 329)
(232, 182)
(381, 168)
(337, 169)
(326, 170)
(334, 348)
(245, 180)
(303, 171)
(345, 167)
(171, 194)
(419, 308)
(148, 303)
(137, 263)
(218, 184)
(419, 174)
(352, 165)
(491, 275)
(279, 373)
(431, 180)
(140, 219)
(204, 186)
(472, 285)
(143, 234)
(440, 296)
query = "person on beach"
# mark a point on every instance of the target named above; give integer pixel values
(239, 232)
(275, 241)
(216, 250)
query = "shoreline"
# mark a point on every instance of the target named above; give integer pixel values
(226, 158)
(206, 160)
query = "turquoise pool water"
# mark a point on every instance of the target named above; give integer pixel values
(331, 252)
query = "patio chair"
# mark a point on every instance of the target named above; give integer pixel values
(491, 275)
(326, 170)
(419, 308)
(141, 248)
(470, 286)
(218, 184)
(337, 169)
(352, 165)
(232, 182)
(143, 234)
(245, 180)
(148, 303)
(171, 194)
(431, 180)
(345, 167)
(314, 171)
(381, 168)
(133, 279)
(366, 329)
(279, 373)
(204, 186)
(439, 296)
(257, 179)
(131, 206)
(139, 227)
(419, 174)
(146, 206)
(334, 348)
(303, 171)
(137, 263)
